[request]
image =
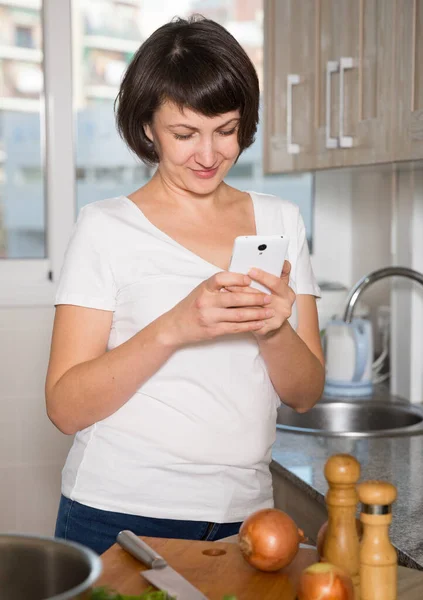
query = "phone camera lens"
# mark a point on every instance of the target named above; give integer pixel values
(262, 247)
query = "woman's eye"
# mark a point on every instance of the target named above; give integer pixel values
(179, 136)
(228, 132)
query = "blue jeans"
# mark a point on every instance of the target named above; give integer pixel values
(98, 529)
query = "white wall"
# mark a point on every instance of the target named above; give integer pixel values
(332, 230)
(32, 451)
(352, 233)
(352, 227)
(416, 333)
(366, 219)
(407, 297)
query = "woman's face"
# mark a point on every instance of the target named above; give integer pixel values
(195, 151)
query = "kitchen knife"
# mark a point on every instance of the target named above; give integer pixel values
(161, 575)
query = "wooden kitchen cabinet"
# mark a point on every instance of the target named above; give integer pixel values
(308, 513)
(408, 113)
(330, 42)
(355, 70)
(290, 82)
(341, 113)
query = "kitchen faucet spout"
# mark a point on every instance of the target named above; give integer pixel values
(367, 280)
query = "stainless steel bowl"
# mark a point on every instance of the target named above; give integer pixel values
(43, 568)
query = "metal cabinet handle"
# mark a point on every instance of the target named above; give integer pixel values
(345, 141)
(292, 148)
(332, 66)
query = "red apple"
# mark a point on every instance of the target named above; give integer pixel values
(324, 581)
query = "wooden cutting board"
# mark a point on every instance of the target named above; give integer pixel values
(215, 568)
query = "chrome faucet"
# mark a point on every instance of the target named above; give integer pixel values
(367, 280)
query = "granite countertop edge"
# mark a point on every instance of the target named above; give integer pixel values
(404, 558)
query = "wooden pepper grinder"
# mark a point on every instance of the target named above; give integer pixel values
(378, 558)
(341, 546)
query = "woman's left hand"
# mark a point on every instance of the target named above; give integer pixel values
(283, 298)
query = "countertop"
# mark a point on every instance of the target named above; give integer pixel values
(218, 568)
(301, 459)
(410, 582)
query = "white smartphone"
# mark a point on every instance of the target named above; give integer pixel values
(266, 252)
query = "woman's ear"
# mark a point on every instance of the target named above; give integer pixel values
(148, 132)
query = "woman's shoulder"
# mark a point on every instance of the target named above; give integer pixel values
(102, 213)
(101, 220)
(270, 201)
(106, 207)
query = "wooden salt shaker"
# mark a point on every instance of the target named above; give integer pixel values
(378, 558)
(341, 546)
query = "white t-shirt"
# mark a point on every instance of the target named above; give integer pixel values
(194, 442)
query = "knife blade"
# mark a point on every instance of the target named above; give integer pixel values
(161, 575)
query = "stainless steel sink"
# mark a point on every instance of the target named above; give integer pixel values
(354, 418)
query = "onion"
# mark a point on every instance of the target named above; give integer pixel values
(269, 539)
(324, 581)
(321, 536)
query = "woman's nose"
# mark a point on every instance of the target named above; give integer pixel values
(206, 154)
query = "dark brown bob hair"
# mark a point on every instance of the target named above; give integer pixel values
(196, 64)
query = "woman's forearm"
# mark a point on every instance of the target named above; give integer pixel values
(297, 374)
(94, 390)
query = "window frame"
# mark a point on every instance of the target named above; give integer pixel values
(32, 282)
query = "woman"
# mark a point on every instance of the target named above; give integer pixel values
(171, 386)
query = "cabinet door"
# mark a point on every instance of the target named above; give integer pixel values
(330, 33)
(408, 98)
(289, 75)
(355, 52)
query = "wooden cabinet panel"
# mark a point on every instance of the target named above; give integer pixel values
(342, 54)
(355, 37)
(368, 96)
(329, 50)
(307, 513)
(289, 85)
(408, 98)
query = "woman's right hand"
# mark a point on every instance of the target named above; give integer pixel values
(210, 311)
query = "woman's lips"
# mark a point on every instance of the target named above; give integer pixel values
(206, 173)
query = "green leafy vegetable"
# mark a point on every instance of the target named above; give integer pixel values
(103, 593)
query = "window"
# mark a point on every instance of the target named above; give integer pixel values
(61, 63)
(24, 37)
(22, 206)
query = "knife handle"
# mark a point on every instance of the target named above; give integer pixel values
(140, 550)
